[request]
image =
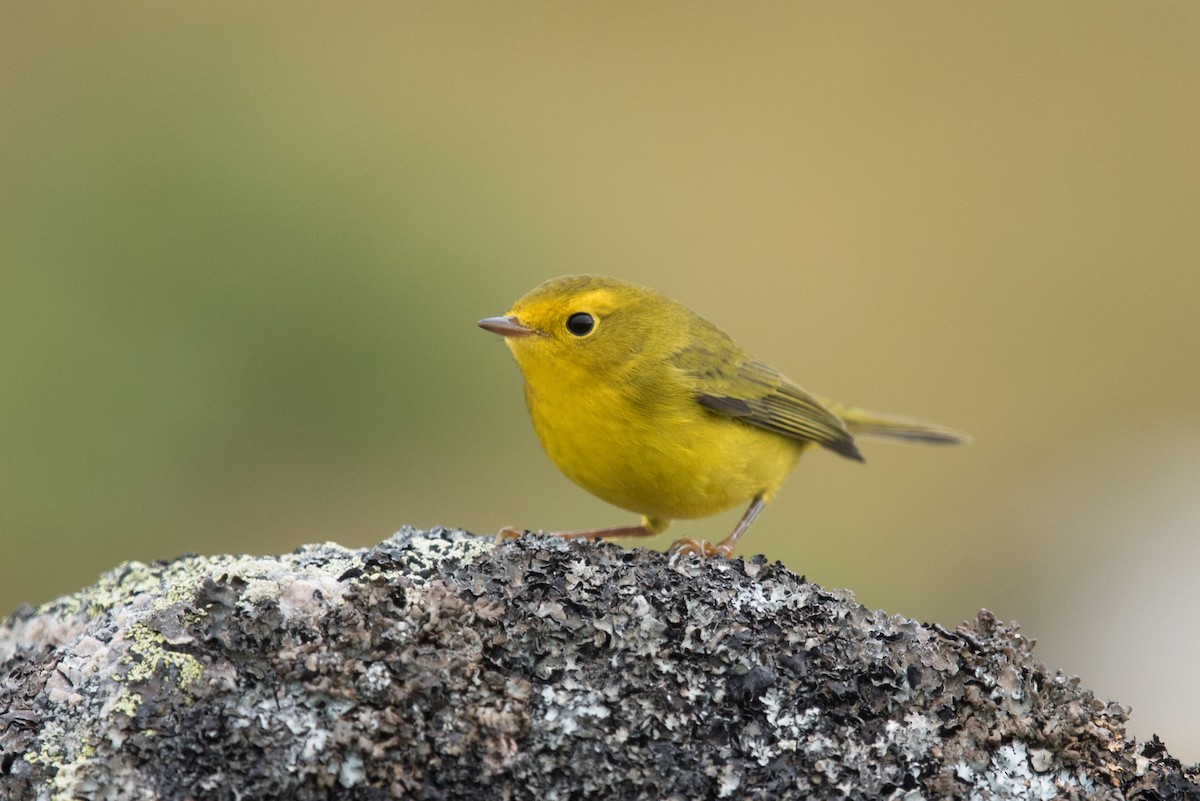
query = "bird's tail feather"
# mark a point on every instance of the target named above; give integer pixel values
(861, 422)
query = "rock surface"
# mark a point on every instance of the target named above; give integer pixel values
(442, 666)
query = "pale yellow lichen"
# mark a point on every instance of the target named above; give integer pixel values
(63, 785)
(153, 654)
(127, 703)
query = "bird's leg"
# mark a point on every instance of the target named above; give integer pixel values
(647, 528)
(724, 548)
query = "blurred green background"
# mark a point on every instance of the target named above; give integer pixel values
(243, 248)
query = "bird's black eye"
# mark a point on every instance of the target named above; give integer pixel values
(581, 324)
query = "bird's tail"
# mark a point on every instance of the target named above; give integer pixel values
(890, 426)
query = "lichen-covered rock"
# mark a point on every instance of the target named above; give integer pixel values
(442, 666)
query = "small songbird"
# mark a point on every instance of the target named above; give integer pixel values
(647, 405)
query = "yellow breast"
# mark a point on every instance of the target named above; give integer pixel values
(662, 454)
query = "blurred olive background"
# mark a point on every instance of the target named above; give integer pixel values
(243, 248)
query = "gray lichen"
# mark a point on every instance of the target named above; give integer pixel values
(439, 665)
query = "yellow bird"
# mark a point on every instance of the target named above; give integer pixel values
(644, 403)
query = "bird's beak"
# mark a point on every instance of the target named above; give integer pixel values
(505, 327)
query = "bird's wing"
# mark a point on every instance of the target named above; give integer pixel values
(748, 390)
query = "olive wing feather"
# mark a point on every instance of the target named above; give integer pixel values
(748, 390)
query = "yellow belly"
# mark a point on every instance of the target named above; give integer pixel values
(663, 459)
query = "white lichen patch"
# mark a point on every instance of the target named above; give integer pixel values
(729, 781)
(567, 714)
(427, 553)
(768, 600)
(1012, 774)
(915, 735)
(272, 579)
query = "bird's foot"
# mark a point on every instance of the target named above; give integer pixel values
(687, 545)
(509, 533)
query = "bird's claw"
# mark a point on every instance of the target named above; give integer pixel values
(704, 548)
(508, 533)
